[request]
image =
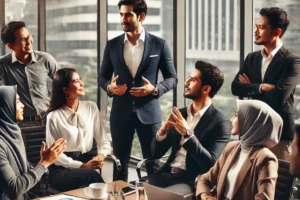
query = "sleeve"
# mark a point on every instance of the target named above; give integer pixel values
(206, 155)
(52, 65)
(244, 89)
(106, 70)
(52, 134)
(160, 147)
(2, 75)
(100, 135)
(14, 186)
(167, 69)
(267, 177)
(210, 179)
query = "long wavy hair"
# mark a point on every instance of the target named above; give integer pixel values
(60, 80)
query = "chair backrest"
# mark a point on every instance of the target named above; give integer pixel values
(285, 181)
(33, 137)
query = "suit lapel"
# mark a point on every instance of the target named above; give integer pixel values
(204, 120)
(276, 61)
(147, 51)
(258, 61)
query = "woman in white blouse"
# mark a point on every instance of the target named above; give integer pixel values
(78, 122)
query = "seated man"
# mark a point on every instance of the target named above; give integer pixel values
(197, 134)
(295, 154)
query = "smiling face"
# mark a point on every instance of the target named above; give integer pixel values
(193, 86)
(234, 125)
(23, 42)
(19, 109)
(129, 20)
(263, 32)
(76, 87)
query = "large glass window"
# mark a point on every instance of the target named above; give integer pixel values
(23, 10)
(71, 38)
(291, 38)
(159, 21)
(212, 35)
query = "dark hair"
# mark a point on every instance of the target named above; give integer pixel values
(297, 132)
(60, 80)
(211, 75)
(277, 17)
(8, 31)
(139, 6)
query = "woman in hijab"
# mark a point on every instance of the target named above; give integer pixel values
(16, 177)
(247, 169)
(79, 122)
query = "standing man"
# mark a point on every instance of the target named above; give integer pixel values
(271, 75)
(197, 134)
(135, 58)
(27, 69)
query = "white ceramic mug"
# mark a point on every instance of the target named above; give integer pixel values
(96, 191)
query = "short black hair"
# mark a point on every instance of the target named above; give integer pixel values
(277, 17)
(211, 75)
(139, 6)
(297, 132)
(8, 31)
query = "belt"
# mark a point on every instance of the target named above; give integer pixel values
(175, 170)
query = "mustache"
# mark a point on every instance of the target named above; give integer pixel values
(124, 23)
(187, 87)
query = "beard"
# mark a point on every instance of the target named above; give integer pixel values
(130, 27)
(194, 95)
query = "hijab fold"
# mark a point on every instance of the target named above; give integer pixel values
(259, 124)
(9, 130)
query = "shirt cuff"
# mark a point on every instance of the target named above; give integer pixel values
(186, 139)
(40, 169)
(260, 88)
(108, 91)
(160, 138)
(76, 164)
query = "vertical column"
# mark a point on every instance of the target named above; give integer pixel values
(220, 25)
(42, 25)
(205, 21)
(193, 28)
(212, 14)
(199, 24)
(227, 34)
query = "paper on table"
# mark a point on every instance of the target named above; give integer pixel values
(62, 197)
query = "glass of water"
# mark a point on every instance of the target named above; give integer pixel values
(140, 189)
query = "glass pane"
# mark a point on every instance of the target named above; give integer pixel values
(212, 35)
(290, 39)
(71, 38)
(159, 21)
(23, 10)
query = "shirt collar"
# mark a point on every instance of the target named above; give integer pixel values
(201, 112)
(273, 52)
(142, 36)
(15, 59)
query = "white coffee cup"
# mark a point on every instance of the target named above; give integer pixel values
(96, 191)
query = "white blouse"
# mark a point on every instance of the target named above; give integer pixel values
(78, 128)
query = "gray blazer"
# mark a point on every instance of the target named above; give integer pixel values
(13, 184)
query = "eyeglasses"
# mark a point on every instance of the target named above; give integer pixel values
(25, 40)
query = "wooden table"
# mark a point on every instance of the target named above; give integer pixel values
(120, 184)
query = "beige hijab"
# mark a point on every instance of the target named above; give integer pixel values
(259, 124)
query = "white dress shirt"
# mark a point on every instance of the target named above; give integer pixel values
(192, 121)
(133, 54)
(79, 129)
(266, 60)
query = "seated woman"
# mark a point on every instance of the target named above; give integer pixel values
(247, 169)
(79, 122)
(16, 176)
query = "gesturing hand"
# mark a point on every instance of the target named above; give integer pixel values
(48, 156)
(180, 123)
(116, 89)
(244, 78)
(99, 157)
(166, 125)
(93, 164)
(142, 91)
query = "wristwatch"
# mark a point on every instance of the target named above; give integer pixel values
(189, 132)
(155, 91)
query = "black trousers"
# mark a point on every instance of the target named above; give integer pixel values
(64, 179)
(122, 137)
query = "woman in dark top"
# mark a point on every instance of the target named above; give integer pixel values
(15, 173)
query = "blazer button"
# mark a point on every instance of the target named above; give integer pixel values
(133, 82)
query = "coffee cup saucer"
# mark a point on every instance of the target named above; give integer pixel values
(87, 193)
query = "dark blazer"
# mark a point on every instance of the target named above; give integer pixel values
(211, 135)
(284, 73)
(156, 57)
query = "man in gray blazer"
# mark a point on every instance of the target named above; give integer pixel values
(271, 75)
(135, 58)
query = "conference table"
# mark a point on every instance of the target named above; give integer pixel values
(80, 192)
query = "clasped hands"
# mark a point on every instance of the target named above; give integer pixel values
(96, 163)
(135, 91)
(176, 120)
(264, 86)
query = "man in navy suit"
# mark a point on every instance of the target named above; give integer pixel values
(135, 58)
(271, 74)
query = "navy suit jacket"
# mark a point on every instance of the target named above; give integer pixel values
(156, 57)
(284, 73)
(211, 135)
